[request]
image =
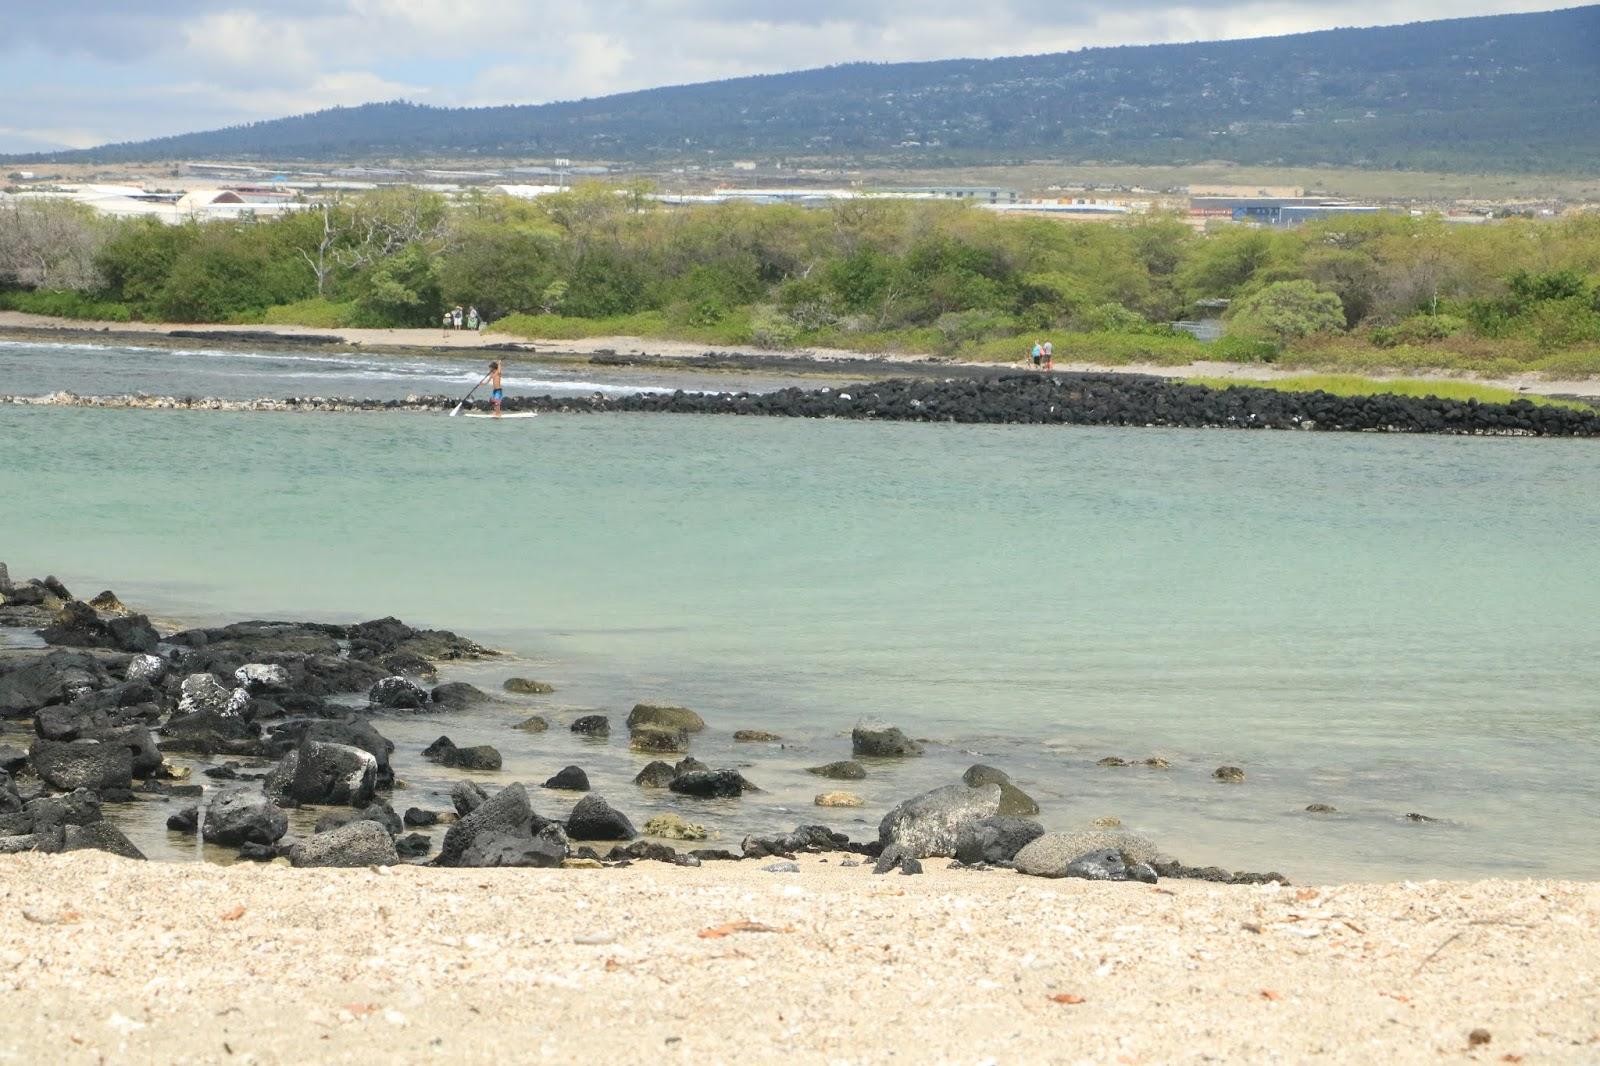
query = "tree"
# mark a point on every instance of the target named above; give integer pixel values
(1285, 311)
(401, 290)
(49, 243)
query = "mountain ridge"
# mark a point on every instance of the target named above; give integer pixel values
(1508, 92)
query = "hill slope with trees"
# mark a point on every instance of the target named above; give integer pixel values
(1506, 92)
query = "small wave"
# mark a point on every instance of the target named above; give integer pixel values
(78, 346)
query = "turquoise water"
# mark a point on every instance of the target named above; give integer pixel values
(1387, 624)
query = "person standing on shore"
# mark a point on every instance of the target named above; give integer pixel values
(448, 318)
(496, 394)
(472, 318)
(1049, 355)
(1038, 354)
(455, 316)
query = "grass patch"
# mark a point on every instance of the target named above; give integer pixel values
(315, 312)
(64, 304)
(1351, 385)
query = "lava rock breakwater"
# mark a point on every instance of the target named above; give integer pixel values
(1033, 399)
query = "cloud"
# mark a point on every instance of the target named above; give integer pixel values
(150, 67)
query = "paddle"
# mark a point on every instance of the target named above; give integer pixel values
(468, 396)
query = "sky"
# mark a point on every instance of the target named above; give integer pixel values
(84, 72)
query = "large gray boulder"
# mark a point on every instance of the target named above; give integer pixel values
(397, 693)
(663, 716)
(360, 843)
(50, 678)
(262, 677)
(995, 841)
(503, 831)
(930, 824)
(322, 772)
(243, 816)
(1051, 854)
(82, 764)
(203, 692)
(882, 742)
(151, 668)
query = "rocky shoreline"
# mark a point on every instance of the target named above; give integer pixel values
(1007, 398)
(107, 697)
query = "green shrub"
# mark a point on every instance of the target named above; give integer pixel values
(1418, 329)
(1285, 311)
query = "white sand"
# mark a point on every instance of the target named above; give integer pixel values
(103, 960)
(1534, 384)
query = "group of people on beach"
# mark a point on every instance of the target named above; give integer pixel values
(1044, 355)
(455, 318)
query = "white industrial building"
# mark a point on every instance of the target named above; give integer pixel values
(130, 201)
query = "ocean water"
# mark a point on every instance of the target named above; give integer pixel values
(35, 368)
(1388, 624)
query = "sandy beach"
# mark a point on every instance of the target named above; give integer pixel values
(668, 352)
(106, 960)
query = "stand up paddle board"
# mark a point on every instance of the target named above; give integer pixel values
(508, 414)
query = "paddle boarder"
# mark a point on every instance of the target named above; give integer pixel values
(495, 393)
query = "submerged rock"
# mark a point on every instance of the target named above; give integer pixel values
(838, 799)
(710, 784)
(532, 724)
(882, 742)
(480, 757)
(848, 770)
(663, 716)
(979, 774)
(570, 778)
(457, 695)
(592, 725)
(1321, 808)
(1229, 774)
(930, 824)
(655, 775)
(672, 827)
(659, 740)
(523, 686)
(756, 736)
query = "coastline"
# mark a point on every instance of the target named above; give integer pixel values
(669, 354)
(111, 960)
